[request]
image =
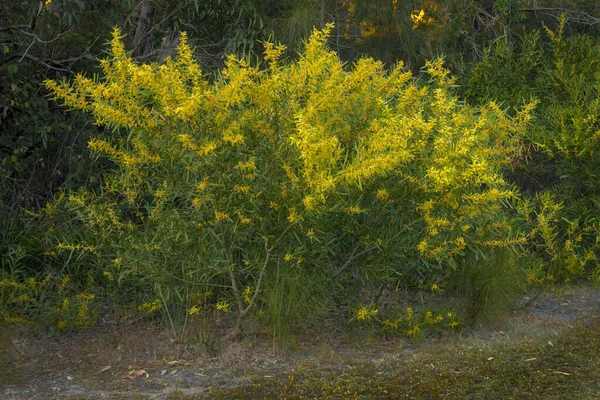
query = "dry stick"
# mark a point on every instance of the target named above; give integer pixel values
(13, 27)
(237, 330)
(584, 17)
(26, 51)
(46, 64)
(238, 323)
(46, 41)
(39, 61)
(167, 311)
(196, 283)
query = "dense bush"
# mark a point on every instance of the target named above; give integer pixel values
(277, 188)
(559, 175)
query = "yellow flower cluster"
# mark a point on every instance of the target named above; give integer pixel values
(366, 313)
(151, 307)
(77, 248)
(414, 324)
(247, 295)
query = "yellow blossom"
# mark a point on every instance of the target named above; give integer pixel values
(108, 275)
(221, 216)
(412, 332)
(247, 295)
(382, 194)
(63, 284)
(198, 202)
(365, 313)
(202, 185)
(417, 17)
(309, 203)
(293, 216)
(354, 210)
(151, 307)
(242, 188)
(392, 324)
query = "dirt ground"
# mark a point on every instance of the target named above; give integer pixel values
(133, 361)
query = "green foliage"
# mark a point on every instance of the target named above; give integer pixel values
(488, 282)
(44, 282)
(568, 246)
(42, 150)
(562, 165)
(409, 322)
(291, 297)
(44, 302)
(506, 61)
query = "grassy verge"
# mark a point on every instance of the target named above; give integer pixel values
(564, 367)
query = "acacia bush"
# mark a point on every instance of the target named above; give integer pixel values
(558, 178)
(279, 188)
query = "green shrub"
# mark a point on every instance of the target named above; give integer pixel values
(560, 170)
(489, 283)
(44, 281)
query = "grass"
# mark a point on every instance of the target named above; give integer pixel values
(566, 367)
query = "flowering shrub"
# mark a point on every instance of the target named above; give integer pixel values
(559, 177)
(46, 301)
(274, 184)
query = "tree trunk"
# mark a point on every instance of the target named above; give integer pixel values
(142, 44)
(323, 13)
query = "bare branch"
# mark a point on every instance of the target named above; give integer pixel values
(13, 27)
(57, 65)
(46, 41)
(573, 15)
(26, 51)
